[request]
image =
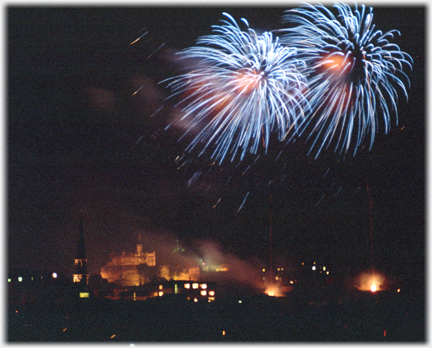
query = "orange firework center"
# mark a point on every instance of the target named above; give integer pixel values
(336, 64)
(246, 81)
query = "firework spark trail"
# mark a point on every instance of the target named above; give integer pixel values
(214, 206)
(352, 70)
(139, 38)
(243, 88)
(244, 200)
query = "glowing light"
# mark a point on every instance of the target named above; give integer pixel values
(273, 290)
(195, 286)
(398, 290)
(113, 336)
(20, 279)
(195, 300)
(54, 275)
(160, 287)
(370, 281)
(187, 286)
(9, 280)
(203, 292)
(211, 293)
(353, 71)
(313, 268)
(84, 295)
(223, 332)
(161, 293)
(203, 286)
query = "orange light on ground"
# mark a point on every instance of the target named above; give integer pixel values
(273, 290)
(270, 292)
(370, 281)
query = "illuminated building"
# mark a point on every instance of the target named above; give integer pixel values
(130, 269)
(81, 276)
(196, 291)
(183, 266)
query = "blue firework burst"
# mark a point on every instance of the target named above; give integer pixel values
(240, 90)
(354, 74)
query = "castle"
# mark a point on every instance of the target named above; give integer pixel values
(130, 269)
(134, 269)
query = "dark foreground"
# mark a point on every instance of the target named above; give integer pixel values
(391, 317)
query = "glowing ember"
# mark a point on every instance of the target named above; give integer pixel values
(274, 290)
(370, 281)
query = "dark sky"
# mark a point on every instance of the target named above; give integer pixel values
(81, 144)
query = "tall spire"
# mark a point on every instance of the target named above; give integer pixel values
(81, 247)
(80, 275)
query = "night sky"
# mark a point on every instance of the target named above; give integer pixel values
(80, 143)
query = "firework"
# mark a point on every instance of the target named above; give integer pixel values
(353, 71)
(241, 89)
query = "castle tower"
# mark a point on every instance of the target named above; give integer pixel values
(81, 276)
